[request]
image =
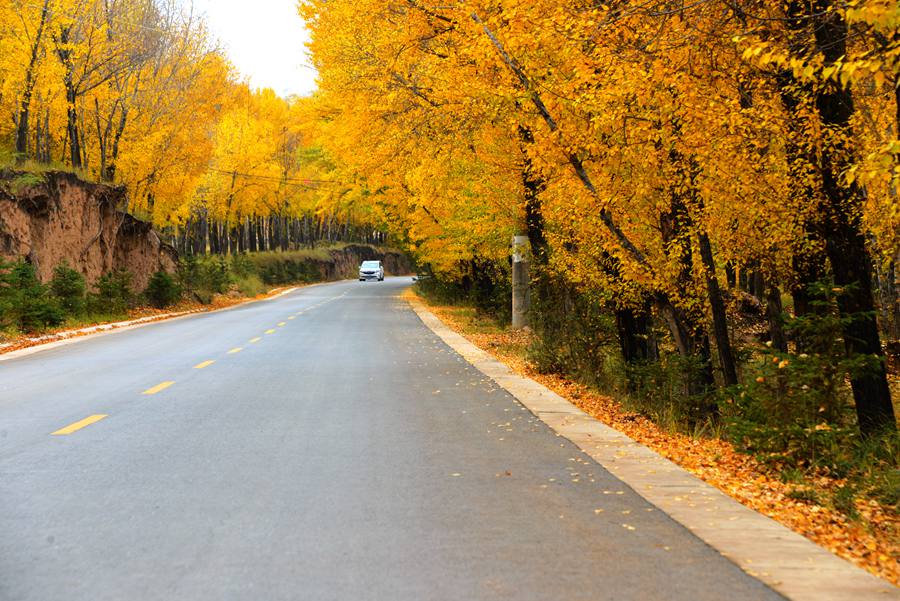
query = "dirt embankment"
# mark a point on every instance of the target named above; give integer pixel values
(58, 217)
(345, 262)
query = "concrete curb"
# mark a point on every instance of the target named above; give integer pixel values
(784, 560)
(73, 336)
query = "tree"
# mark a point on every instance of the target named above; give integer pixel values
(656, 147)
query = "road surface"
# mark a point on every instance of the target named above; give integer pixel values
(324, 445)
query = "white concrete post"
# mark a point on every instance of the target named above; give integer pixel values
(521, 279)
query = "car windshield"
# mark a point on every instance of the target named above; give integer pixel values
(371, 264)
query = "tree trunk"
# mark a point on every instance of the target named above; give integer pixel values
(215, 238)
(252, 240)
(686, 328)
(72, 127)
(45, 155)
(758, 284)
(635, 335)
(636, 342)
(730, 275)
(114, 155)
(102, 139)
(25, 105)
(720, 318)
(845, 242)
(261, 234)
(839, 207)
(65, 57)
(775, 316)
(203, 243)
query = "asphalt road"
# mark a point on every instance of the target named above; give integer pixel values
(335, 449)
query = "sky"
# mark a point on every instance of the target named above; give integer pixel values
(264, 39)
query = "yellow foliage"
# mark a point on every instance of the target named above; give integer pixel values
(427, 104)
(151, 104)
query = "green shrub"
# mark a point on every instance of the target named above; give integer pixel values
(25, 303)
(245, 275)
(249, 273)
(202, 277)
(278, 268)
(660, 389)
(873, 465)
(189, 272)
(7, 299)
(250, 285)
(796, 407)
(796, 412)
(113, 294)
(242, 265)
(214, 275)
(68, 287)
(162, 290)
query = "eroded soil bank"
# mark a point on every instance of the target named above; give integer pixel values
(56, 217)
(344, 262)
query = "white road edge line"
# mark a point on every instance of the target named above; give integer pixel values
(766, 550)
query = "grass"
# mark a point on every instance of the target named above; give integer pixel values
(804, 495)
(38, 169)
(25, 180)
(91, 319)
(319, 253)
(250, 285)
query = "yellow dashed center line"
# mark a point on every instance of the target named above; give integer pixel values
(79, 425)
(281, 324)
(204, 364)
(292, 317)
(158, 388)
(235, 350)
(270, 331)
(255, 340)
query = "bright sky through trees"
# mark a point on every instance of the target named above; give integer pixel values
(265, 41)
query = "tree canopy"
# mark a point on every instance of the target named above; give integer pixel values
(136, 92)
(645, 147)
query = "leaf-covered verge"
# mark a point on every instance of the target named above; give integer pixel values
(833, 512)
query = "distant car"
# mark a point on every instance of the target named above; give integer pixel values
(371, 270)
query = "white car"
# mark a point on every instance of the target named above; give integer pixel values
(371, 270)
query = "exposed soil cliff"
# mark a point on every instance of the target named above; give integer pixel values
(346, 262)
(57, 217)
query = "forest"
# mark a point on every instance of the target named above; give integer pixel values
(673, 165)
(137, 93)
